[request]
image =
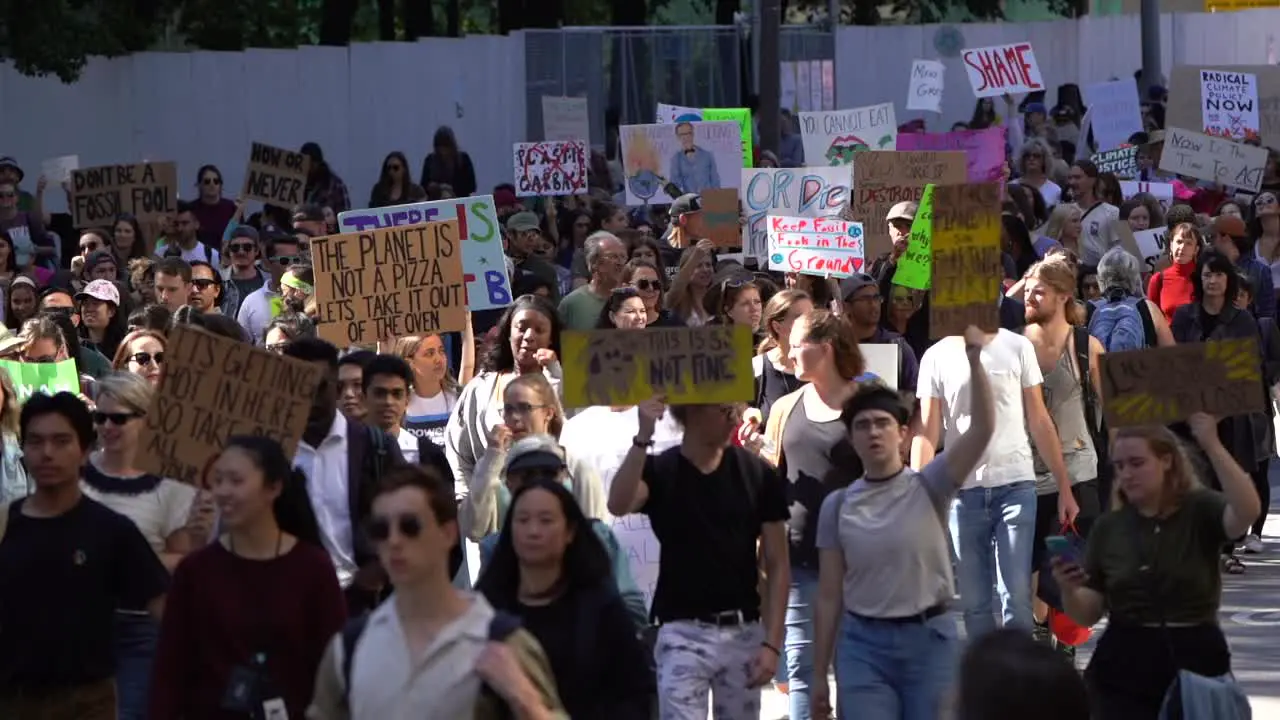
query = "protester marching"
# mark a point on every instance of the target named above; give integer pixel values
(651, 433)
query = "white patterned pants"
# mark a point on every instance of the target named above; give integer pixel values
(695, 659)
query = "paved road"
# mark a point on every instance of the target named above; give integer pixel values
(1250, 615)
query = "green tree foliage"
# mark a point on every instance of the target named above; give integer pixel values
(56, 37)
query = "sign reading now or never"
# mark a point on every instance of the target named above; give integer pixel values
(214, 388)
(1150, 387)
(1212, 158)
(710, 364)
(276, 176)
(815, 246)
(386, 283)
(884, 179)
(966, 259)
(1002, 69)
(148, 191)
(557, 167)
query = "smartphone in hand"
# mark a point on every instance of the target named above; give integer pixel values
(1061, 547)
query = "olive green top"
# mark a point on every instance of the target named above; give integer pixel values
(1181, 552)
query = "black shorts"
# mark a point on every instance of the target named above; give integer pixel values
(1086, 494)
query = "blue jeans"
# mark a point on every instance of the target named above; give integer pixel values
(135, 646)
(796, 668)
(895, 670)
(1004, 519)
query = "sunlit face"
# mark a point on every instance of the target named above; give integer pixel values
(96, 314)
(703, 273)
(105, 270)
(1231, 210)
(630, 315)
(1139, 218)
(146, 358)
(530, 332)
(900, 233)
(123, 237)
(240, 489)
(118, 424)
(904, 302)
(204, 288)
(877, 437)
(798, 309)
(1140, 473)
(351, 390)
(746, 308)
(387, 398)
(430, 362)
(172, 291)
(540, 531)
(1183, 248)
(1042, 302)
(52, 451)
(645, 281)
(1072, 228)
(89, 242)
(415, 545)
(525, 412)
(611, 258)
(809, 357)
(1213, 282)
(44, 350)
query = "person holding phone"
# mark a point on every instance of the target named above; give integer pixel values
(1152, 565)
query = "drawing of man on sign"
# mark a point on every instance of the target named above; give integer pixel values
(693, 169)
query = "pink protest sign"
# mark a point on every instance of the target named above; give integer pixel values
(815, 246)
(984, 149)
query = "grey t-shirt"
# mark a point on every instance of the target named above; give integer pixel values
(893, 536)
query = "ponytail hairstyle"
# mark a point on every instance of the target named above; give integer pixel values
(1058, 273)
(292, 509)
(776, 311)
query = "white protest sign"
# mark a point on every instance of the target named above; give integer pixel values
(796, 192)
(1002, 69)
(925, 91)
(58, 170)
(1162, 191)
(565, 118)
(1229, 104)
(1214, 159)
(832, 138)
(550, 168)
(881, 360)
(1151, 244)
(1116, 112)
(668, 114)
(815, 246)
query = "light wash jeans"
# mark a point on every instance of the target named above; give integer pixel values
(1000, 519)
(796, 668)
(895, 670)
(695, 659)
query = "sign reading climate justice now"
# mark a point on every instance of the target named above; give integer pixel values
(385, 283)
(276, 176)
(214, 388)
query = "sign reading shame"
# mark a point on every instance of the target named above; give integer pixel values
(276, 176)
(214, 388)
(394, 281)
(148, 191)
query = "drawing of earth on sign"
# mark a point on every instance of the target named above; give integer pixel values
(843, 148)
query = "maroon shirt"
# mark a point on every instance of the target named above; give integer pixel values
(222, 609)
(213, 221)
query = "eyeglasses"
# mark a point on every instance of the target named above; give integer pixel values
(519, 409)
(645, 285)
(284, 260)
(146, 358)
(409, 526)
(240, 247)
(39, 359)
(203, 283)
(211, 180)
(102, 418)
(89, 247)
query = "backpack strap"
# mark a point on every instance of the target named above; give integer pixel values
(1148, 323)
(1086, 383)
(351, 633)
(378, 458)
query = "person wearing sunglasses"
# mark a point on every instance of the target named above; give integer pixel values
(645, 277)
(158, 507)
(44, 341)
(394, 186)
(141, 352)
(248, 616)
(261, 306)
(242, 277)
(212, 211)
(206, 288)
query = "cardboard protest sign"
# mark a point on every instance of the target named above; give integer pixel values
(925, 90)
(565, 118)
(719, 216)
(710, 364)
(1002, 69)
(58, 170)
(983, 148)
(275, 176)
(488, 285)
(663, 162)
(1186, 109)
(1212, 158)
(797, 192)
(1121, 162)
(742, 116)
(386, 283)
(966, 259)
(832, 138)
(1229, 104)
(815, 246)
(215, 387)
(1115, 112)
(883, 179)
(148, 191)
(915, 267)
(1153, 244)
(554, 167)
(45, 378)
(1150, 387)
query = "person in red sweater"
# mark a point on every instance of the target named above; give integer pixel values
(248, 617)
(1171, 288)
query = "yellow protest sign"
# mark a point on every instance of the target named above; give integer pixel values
(1151, 387)
(966, 259)
(688, 366)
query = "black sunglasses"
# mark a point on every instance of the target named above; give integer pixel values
(407, 525)
(211, 180)
(37, 360)
(284, 260)
(145, 358)
(102, 418)
(203, 283)
(646, 284)
(240, 247)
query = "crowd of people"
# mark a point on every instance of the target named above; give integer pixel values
(829, 525)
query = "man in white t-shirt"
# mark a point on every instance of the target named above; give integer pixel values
(1097, 234)
(997, 503)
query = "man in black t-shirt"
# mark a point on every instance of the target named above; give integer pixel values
(709, 503)
(68, 564)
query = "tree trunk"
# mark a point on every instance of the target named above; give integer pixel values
(335, 23)
(418, 18)
(452, 18)
(387, 20)
(510, 16)
(544, 13)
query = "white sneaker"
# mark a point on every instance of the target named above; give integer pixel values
(1253, 545)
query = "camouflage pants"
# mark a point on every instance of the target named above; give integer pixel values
(695, 658)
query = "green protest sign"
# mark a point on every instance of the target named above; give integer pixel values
(915, 267)
(742, 116)
(47, 378)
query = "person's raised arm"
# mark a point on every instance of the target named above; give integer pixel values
(467, 367)
(680, 283)
(628, 492)
(969, 448)
(1243, 505)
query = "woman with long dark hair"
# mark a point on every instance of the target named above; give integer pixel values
(551, 570)
(448, 165)
(262, 602)
(212, 209)
(324, 187)
(128, 242)
(394, 186)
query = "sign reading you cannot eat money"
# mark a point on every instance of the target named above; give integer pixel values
(215, 388)
(276, 176)
(385, 283)
(966, 259)
(1159, 386)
